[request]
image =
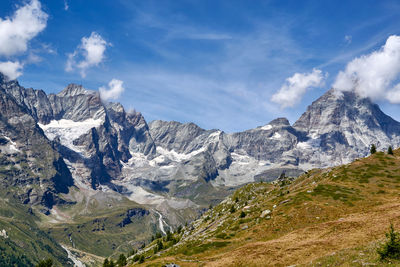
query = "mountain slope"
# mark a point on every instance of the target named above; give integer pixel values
(340, 210)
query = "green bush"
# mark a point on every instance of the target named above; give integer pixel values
(242, 214)
(391, 248)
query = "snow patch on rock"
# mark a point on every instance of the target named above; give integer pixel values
(69, 130)
(266, 127)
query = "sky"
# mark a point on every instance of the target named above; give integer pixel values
(231, 65)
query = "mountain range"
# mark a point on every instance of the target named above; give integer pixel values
(77, 163)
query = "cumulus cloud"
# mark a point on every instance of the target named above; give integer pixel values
(16, 31)
(11, 70)
(89, 53)
(113, 92)
(374, 75)
(296, 86)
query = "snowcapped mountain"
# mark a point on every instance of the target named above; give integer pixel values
(99, 147)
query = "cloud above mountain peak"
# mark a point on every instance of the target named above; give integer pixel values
(296, 86)
(374, 75)
(113, 92)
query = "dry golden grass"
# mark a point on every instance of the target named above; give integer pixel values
(321, 213)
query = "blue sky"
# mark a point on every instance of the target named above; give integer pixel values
(216, 63)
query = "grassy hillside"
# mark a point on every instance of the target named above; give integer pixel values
(25, 244)
(336, 217)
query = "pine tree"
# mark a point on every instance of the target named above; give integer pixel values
(390, 249)
(160, 245)
(141, 259)
(390, 150)
(121, 260)
(373, 149)
(232, 210)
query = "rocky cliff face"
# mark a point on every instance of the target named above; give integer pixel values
(92, 137)
(31, 170)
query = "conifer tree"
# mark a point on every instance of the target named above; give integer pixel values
(391, 248)
(121, 260)
(390, 150)
(373, 149)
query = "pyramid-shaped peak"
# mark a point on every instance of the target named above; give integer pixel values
(344, 109)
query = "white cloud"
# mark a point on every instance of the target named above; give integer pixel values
(90, 52)
(66, 6)
(296, 86)
(114, 90)
(374, 75)
(11, 69)
(16, 31)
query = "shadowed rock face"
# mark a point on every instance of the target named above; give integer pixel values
(28, 159)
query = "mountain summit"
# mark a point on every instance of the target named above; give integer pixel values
(341, 126)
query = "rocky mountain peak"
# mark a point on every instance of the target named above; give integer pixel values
(335, 109)
(74, 90)
(279, 122)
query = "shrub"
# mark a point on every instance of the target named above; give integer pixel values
(390, 150)
(242, 214)
(391, 248)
